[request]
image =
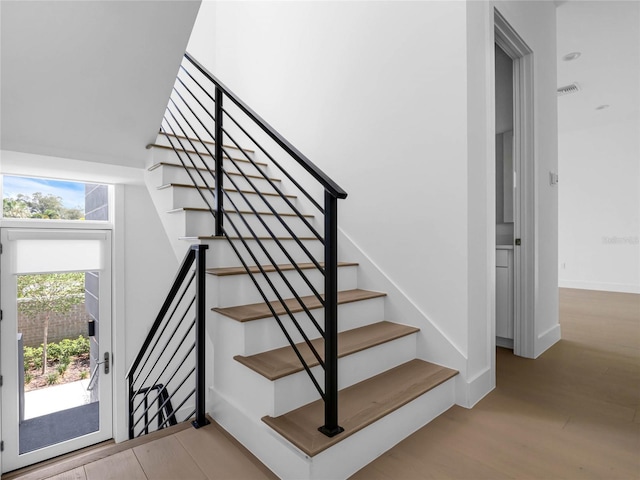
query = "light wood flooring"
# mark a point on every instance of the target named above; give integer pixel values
(573, 413)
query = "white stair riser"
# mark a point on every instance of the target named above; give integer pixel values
(282, 395)
(165, 174)
(345, 458)
(265, 334)
(296, 390)
(184, 197)
(167, 155)
(232, 290)
(221, 254)
(198, 223)
(200, 147)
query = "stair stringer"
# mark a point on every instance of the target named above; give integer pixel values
(433, 344)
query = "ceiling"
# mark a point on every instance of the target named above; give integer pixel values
(607, 33)
(89, 80)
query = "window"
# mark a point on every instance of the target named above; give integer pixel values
(47, 199)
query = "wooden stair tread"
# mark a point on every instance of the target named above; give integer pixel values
(191, 167)
(203, 154)
(243, 212)
(255, 311)
(195, 140)
(281, 362)
(226, 271)
(360, 405)
(230, 190)
(213, 237)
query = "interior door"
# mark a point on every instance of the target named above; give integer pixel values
(55, 283)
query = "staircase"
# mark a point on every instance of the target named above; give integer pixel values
(265, 290)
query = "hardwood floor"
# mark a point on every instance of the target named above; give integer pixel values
(572, 413)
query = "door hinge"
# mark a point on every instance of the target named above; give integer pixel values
(2, 446)
(0, 249)
(1, 380)
(1, 314)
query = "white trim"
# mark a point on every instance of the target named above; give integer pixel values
(55, 224)
(445, 351)
(118, 341)
(525, 206)
(547, 339)
(470, 392)
(602, 286)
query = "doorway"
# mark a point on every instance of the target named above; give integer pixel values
(55, 342)
(517, 230)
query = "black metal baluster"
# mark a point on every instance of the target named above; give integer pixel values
(218, 159)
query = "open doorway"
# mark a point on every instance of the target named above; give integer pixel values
(504, 199)
(515, 203)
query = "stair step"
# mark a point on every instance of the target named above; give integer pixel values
(195, 140)
(213, 237)
(360, 405)
(230, 190)
(255, 311)
(190, 167)
(202, 154)
(197, 209)
(226, 271)
(281, 362)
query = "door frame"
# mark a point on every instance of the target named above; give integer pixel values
(11, 462)
(524, 163)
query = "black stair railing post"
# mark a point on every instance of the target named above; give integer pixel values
(201, 419)
(218, 162)
(131, 409)
(331, 427)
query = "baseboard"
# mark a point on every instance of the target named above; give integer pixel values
(504, 342)
(547, 339)
(468, 393)
(604, 287)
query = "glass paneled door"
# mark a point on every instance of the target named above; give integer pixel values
(55, 342)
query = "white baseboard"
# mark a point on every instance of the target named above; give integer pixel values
(605, 287)
(547, 339)
(468, 393)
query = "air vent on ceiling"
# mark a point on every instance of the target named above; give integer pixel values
(567, 89)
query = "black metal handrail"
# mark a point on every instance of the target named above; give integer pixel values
(167, 362)
(195, 118)
(328, 184)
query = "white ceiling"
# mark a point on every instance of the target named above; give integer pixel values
(89, 80)
(607, 33)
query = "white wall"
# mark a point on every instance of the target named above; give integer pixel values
(359, 88)
(394, 100)
(600, 207)
(599, 149)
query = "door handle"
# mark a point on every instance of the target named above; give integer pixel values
(105, 362)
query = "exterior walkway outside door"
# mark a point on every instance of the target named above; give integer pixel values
(48, 272)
